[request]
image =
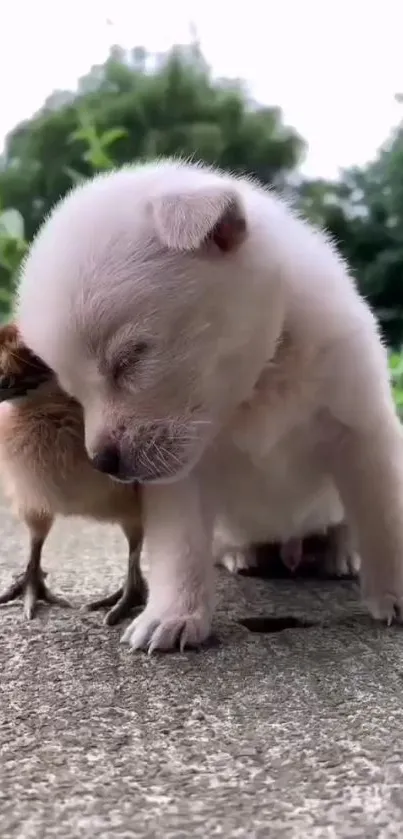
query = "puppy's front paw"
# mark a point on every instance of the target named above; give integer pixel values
(385, 606)
(168, 631)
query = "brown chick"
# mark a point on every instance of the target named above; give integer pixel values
(46, 472)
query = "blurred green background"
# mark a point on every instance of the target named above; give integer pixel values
(138, 105)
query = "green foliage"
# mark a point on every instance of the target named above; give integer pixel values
(137, 106)
(396, 371)
(13, 247)
(133, 107)
(364, 214)
(98, 144)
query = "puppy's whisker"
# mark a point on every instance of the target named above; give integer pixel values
(175, 423)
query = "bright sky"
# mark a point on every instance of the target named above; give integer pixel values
(334, 66)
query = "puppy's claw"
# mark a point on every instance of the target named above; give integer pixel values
(341, 559)
(387, 608)
(238, 559)
(167, 633)
(139, 633)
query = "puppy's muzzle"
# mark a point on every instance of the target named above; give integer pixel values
(161, 456)
(108, 460)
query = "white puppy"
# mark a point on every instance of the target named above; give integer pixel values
(223, 358)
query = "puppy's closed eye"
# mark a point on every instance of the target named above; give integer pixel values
(126, 362)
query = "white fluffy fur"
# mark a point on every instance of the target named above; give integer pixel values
(264, 371)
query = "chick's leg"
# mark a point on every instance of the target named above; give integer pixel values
(133, 593)
(30, 585)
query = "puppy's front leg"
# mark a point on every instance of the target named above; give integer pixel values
(178, 549)
(368, 470)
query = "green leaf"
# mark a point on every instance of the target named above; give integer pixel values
(75, 177)
(109, 137)
(12, 224)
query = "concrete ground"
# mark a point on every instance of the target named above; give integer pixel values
(294, 733)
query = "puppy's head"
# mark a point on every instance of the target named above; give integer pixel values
(20, 370)
(142, 292)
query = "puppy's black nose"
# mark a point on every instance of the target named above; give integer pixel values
(107, 460)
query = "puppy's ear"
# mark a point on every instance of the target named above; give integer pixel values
(187, 220)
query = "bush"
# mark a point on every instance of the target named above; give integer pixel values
(97, 155)
(396, 370)
(13, 247)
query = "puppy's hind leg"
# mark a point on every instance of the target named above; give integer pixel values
(368, 470)
(30, 585)
(133, 593)
(341, 559)
(231, 550)
(237, 559)
(291, 554)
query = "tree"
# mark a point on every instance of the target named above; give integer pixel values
(138, 105)
(364, 214)
(141, 106)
